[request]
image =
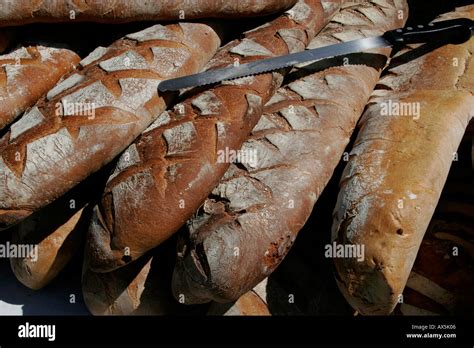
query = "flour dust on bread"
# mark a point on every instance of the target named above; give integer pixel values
(249, 222)
(27, 73)
(398, 165)
(94, 113)
(165, 175)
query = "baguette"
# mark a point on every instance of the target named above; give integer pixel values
(94, 114)
(54, 251)
(58, 231)
(397, 169)
(27, 73)
(170, 169)
(141, 288)
(21, 12)
(248, 224)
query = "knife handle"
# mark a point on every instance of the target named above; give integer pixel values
(454, 31)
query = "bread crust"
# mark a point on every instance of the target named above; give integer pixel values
(21, 12)
(175, 162)
(94, 113)
(26, 74)
(249, 223)
(397, 169)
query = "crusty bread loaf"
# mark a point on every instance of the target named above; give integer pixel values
(117, 11)
(399, 163)
(58, 231)
(27, 73)
(141, 288)
(118, 292)
(250, 221)
(94, 114)
(54, 251)
(163, 177)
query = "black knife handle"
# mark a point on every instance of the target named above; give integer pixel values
(454, 31)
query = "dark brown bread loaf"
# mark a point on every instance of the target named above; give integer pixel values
(250, 221)
(58, 231)
(141, 288)
(116, 11)
(27, 73)
(119, 292)
(163, 177)
(94, 114)
(402, 155)
(54, 251)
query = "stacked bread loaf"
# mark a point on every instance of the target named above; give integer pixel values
(94, 113)
(407, 142)
(58, 230)
(190, 202)
(248, 224)
(28, 73)
(163, 177)
(118, 11)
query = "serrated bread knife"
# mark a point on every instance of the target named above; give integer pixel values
(454, 31)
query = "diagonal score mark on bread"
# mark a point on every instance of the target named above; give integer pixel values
(151, 196)
(248, 224)
(74, 146)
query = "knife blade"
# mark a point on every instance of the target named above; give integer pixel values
(450, 31)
